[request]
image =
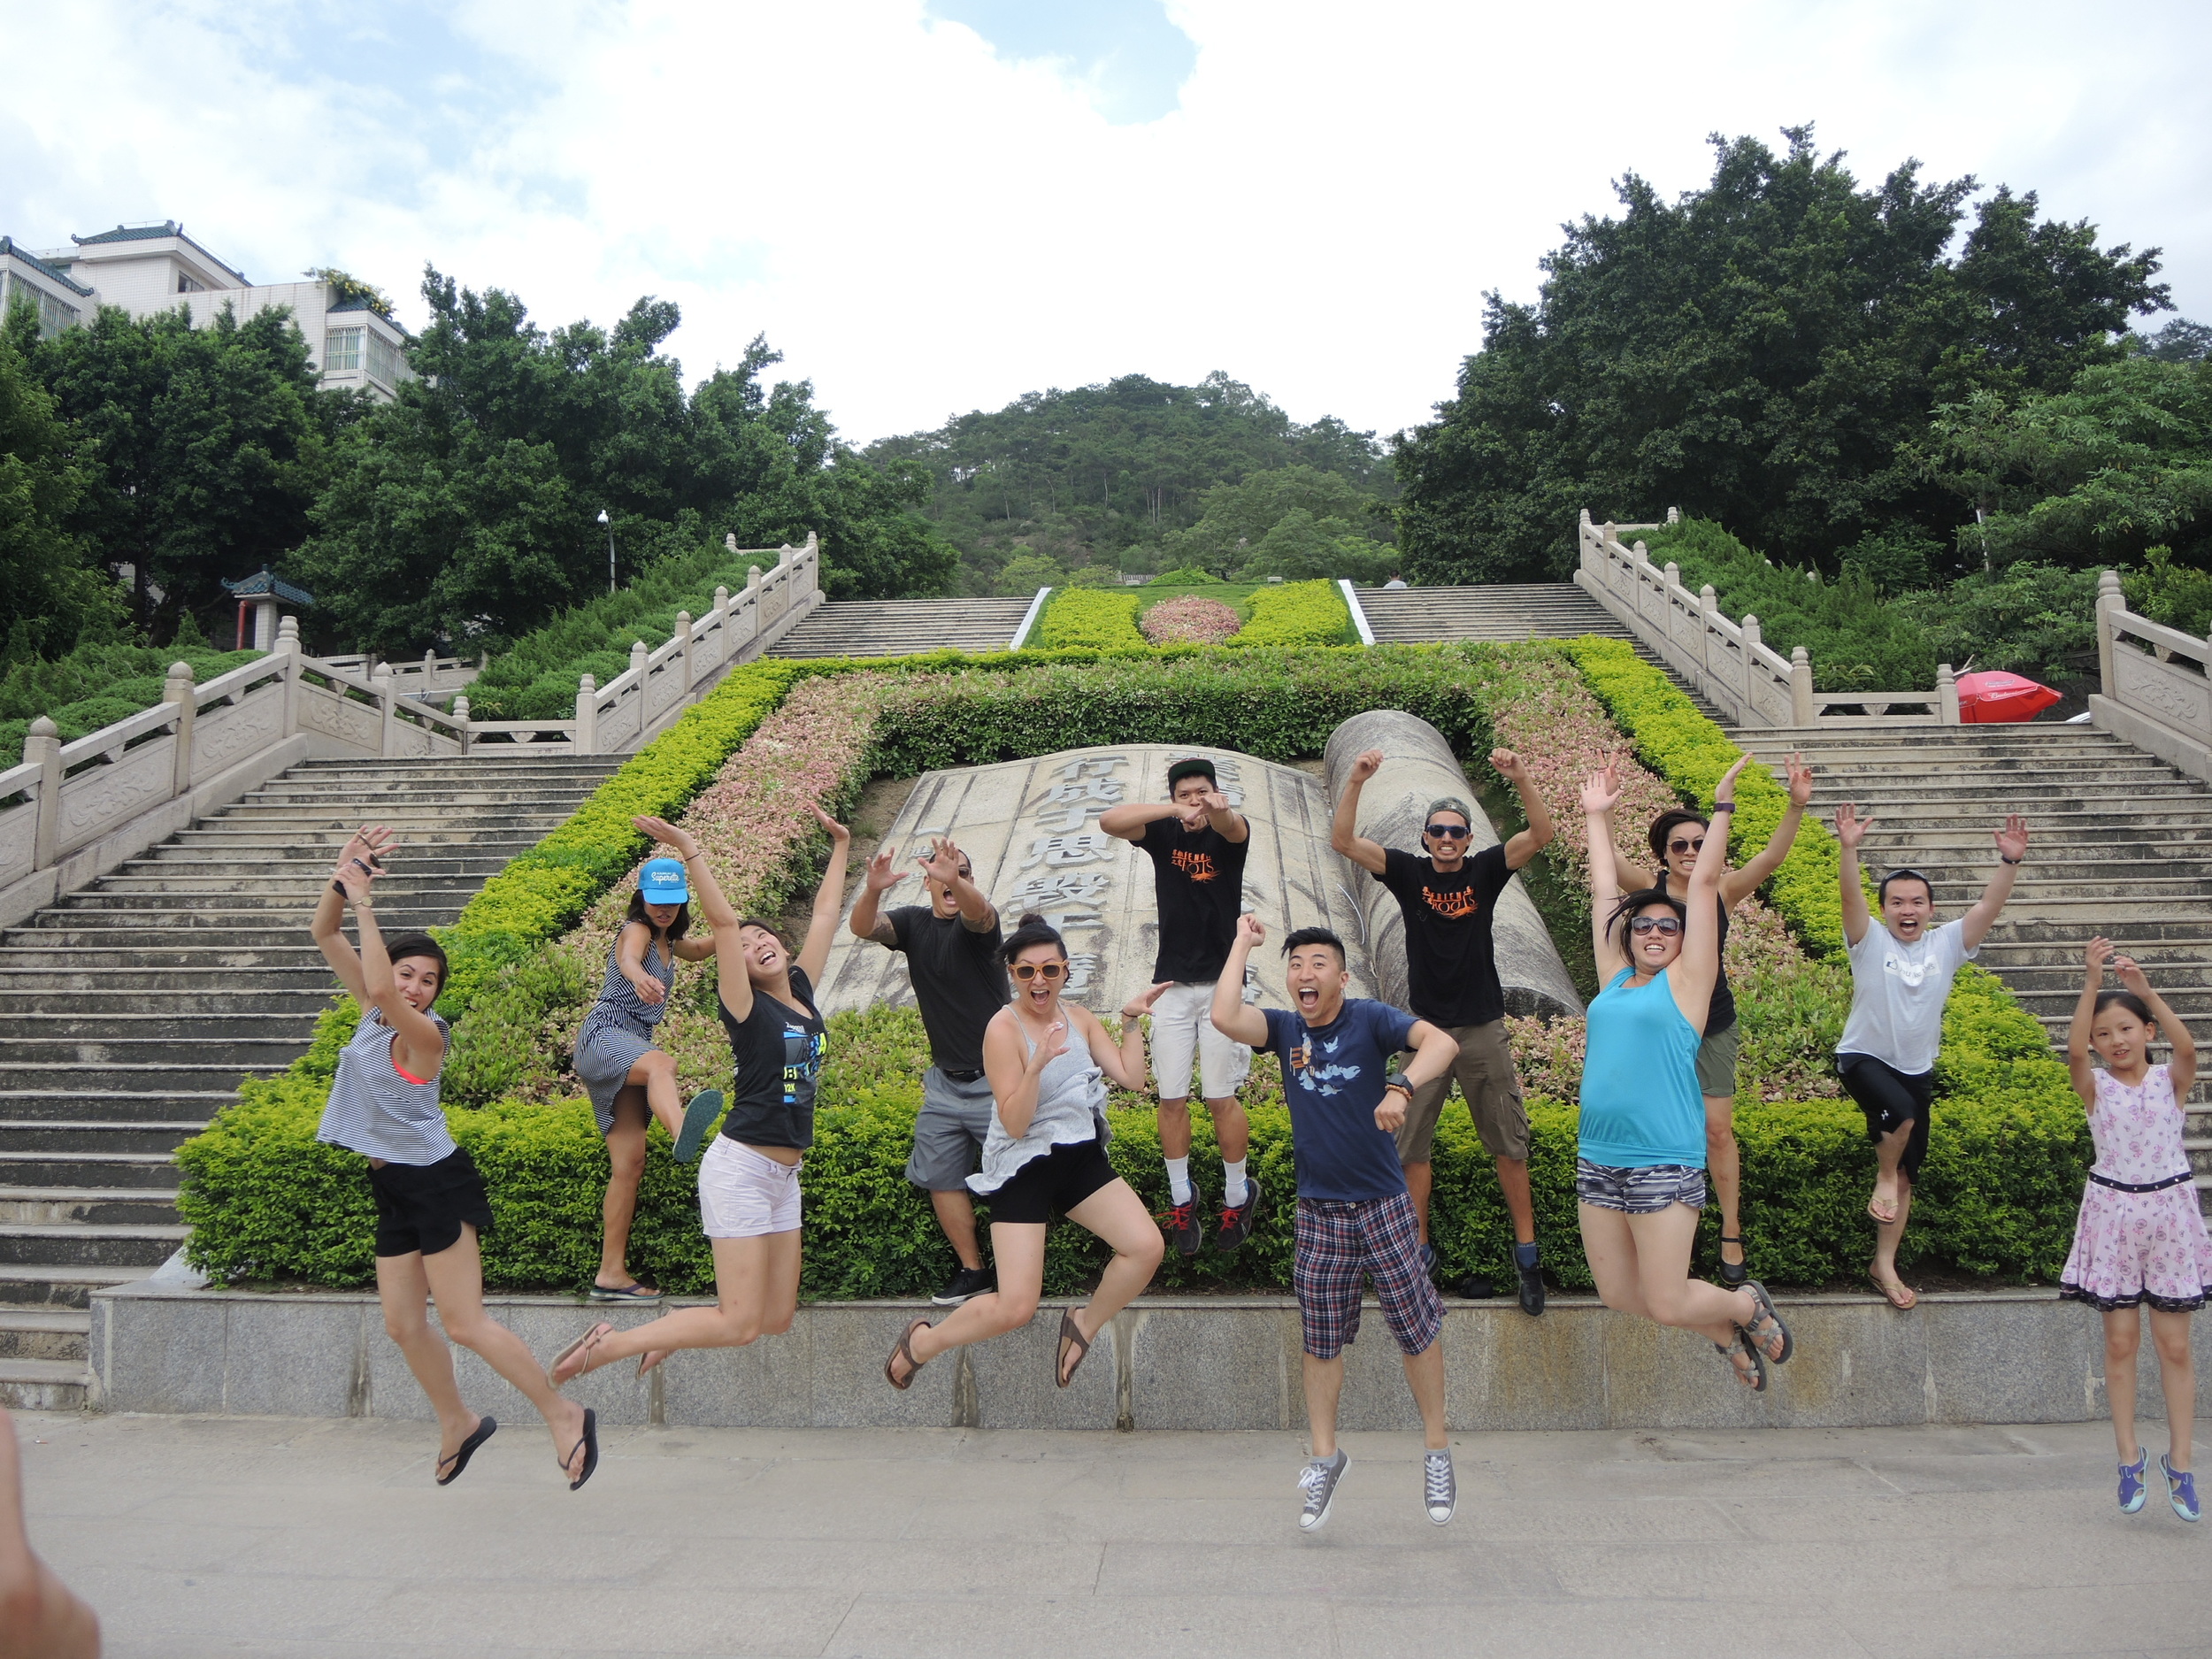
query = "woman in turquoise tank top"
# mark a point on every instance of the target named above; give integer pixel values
(1640, 1166)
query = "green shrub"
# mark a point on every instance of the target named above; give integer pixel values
(1097, 619)
(534, 678)
(2175, 595)
(1298, 613)
(96, 685)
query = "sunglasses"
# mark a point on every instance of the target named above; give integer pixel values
(1697, 846)
(1027, 970)
(1665, 926)
(1449, 832)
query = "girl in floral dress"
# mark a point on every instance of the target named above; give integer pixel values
(2140, 1237)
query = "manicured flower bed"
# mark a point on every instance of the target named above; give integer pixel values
(1190, 620)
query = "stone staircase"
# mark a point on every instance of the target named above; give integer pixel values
(129, 1012)
(2120, 844)
(1502, 611)
(900, 627)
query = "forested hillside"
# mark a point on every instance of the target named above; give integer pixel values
(1119, 477)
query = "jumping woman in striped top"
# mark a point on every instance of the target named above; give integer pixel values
(430, 1202)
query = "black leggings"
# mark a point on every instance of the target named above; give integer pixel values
(1891, 1099)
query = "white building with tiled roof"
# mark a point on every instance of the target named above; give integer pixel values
(150, 268)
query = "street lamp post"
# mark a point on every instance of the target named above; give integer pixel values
(603, 519)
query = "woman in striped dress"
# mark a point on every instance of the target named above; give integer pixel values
(628, 1076)
(430, 1202)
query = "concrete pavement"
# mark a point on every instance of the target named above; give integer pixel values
(203, 1536)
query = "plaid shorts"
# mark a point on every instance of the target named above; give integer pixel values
(1338, 1242)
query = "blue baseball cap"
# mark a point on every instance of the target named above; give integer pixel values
(661, 882)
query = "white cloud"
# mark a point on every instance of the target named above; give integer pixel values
(925, 225)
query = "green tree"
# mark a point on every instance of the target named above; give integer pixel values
(49, 594)
(1766, 352)
(204, 448)
(1295, 522)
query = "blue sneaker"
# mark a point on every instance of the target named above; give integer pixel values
(2181, 1490)
(699, 1117)
(2131, 1482)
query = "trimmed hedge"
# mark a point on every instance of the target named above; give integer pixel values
(1098, 619)
(1299, 613)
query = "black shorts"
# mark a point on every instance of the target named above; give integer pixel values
(1061, 1179)
(421, 1206)
(1891, 1099)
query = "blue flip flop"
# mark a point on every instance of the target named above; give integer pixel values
(486, 1428)
(699, 1118)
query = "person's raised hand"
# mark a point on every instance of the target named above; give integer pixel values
(838, 832)
(1365, 764)
(1801, 777)
(1214, 801)
(1052, 1047)
(2131, 976)
(944, 860)
(1601, 792)
(2012, 840)
(1725, 789)
(1251, 932)
(1141, 1004)
(1850, 828)
(1508, 766)
(2096, 953)
(883, 872)
(667, 835)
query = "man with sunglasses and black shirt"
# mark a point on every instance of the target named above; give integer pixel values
(1197, 843)
(1448, 901)
(951, 945)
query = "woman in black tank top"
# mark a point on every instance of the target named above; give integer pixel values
(1675, 839)
(749, 1194)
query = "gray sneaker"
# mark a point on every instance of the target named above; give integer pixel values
(1319, 1478)
(1440, 1489)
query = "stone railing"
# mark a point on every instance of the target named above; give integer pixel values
(2156, 689)
(426, 680)
(73, 811)
(1726, 662)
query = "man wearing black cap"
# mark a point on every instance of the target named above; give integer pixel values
(1448, 901)
(1197, 844)
(951, 949)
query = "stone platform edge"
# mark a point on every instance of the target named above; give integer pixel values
(1225, 1362)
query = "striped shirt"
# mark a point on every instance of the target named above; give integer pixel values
(375, 1110)
(618, 997)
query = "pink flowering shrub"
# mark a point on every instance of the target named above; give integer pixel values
(1192, 620)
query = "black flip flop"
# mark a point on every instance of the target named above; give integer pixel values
(486, 1428)
(589, 1441)
(699, 1118)
(1766, 1307)
(1070, 1331)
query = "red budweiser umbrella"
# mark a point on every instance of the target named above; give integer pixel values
(1988, 697)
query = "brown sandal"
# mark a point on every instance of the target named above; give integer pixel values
(906, 1348)
(585, 1343)
(1070, 1333)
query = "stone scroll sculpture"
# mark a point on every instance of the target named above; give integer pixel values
(1419, 767)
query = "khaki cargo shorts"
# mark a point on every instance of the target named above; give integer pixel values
(1493, 1093)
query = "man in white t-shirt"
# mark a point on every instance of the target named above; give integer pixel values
(1900, 978)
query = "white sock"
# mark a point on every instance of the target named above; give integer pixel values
(1178, 1180)
(1233, 1182)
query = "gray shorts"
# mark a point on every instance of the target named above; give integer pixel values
(949, 1132)
(1642, 1191)
(1717, 1062)
(1491, 1088)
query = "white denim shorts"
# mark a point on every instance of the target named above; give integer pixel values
(1182, 1032)
(743, 1194)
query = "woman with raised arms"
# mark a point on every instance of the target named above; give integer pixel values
(749, 1179)
(1048, 1060)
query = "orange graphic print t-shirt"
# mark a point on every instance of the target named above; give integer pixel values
(1451, 967)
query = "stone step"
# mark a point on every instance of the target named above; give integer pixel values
(45, 1333)
(154, 1173)
(271, 887)
(271, 952)
(76, 1244)
(93, 1206)
(2045, 975)
(60, 1284)
(98, 1048)
(147, 1028)
(45, 1385)
(98, 1004)
(311, 845)
(69, 1136)
(317, 976)
(2073, 933)
(146, 1077)
(123, 924)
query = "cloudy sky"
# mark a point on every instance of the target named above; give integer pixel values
(934, 205)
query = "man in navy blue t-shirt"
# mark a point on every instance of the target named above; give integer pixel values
(1354, 1216)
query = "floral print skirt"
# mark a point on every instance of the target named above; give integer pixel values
(2131, 1248)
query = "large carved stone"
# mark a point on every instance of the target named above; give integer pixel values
(1419, 767)
(1030, 829)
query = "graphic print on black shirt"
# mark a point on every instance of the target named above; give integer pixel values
(1198, 880)
(958, 981)
(778, 1055)
(1451, 961)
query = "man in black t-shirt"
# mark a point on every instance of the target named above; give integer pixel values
(1448, 901)
(952, 958)
(1197, 844)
